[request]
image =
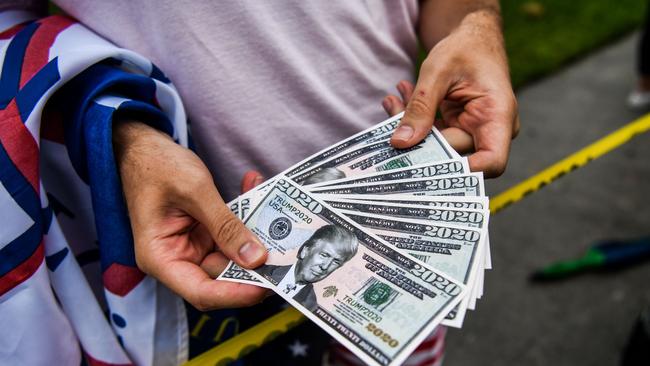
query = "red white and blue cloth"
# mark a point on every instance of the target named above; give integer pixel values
(70, 291)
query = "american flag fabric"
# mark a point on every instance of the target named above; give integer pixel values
(70, 291)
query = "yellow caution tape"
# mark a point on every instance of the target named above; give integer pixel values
(281, 322)
(570, 163)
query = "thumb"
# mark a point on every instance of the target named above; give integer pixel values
(420, 111)
(231, 236)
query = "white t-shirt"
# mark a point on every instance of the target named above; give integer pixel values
(267, 83)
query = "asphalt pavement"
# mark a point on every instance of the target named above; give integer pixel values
(584, 320)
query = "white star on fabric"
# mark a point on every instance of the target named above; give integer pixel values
(298, 349)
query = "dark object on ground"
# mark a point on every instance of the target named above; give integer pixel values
(609, 255)
(637, 350)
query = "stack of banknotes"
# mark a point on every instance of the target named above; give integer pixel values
(377, 246)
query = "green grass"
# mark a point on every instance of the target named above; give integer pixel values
(539, 43)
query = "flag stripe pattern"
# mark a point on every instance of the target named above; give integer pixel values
(70, 292)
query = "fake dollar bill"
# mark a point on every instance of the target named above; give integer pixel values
(444, 215)
(371, 135)
(457, 252)
(376, 157)
(377, 301)
(458, 202)
(461, 185)
(452, 250)
(439, 168)
(435, 216)
(455, 202)
(442, 211)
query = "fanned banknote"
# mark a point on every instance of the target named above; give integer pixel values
(371, 135)
(427, 208)
(456, 251)
(427, 170)
(377, 157)
(461, 211)
(459, 202)
(460, 185)
(453, 216)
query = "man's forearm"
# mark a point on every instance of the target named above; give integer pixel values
(438, 18)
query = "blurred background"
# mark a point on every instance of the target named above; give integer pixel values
(573, 65)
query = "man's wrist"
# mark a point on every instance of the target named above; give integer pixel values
(440, 18)
(484, 22)
(483, 29)
(131, 138)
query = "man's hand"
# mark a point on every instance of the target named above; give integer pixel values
(465, 75)
(184, 233)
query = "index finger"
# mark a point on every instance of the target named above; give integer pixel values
(420, 111)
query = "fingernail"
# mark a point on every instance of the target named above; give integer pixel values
(403, 133)
(258, 180)
(251, 252)
(387, 104)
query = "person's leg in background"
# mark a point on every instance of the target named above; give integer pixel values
(640, 97)
(637, 350)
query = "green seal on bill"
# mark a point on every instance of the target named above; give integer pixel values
(377, 294)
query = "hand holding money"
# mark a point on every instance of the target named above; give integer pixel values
(465, 76)
(176, 222)
(376, 245)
